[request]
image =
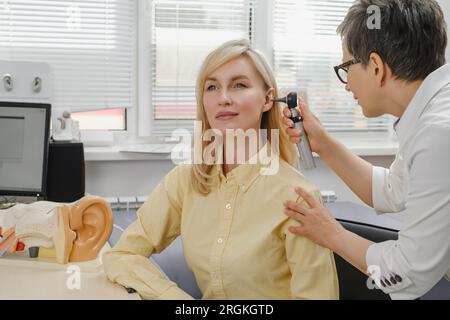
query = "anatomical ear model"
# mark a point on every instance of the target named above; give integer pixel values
(73, 232)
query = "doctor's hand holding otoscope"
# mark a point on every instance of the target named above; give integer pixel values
(304, 129)
(295, 119)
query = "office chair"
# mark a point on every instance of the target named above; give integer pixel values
(352, 282)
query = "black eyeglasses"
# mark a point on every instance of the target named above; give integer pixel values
(342, 70)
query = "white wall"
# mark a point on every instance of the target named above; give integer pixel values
(326, 179)
(124, 178)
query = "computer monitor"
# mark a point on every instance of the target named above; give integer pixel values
(24, 138)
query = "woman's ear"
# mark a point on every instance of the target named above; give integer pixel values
(92, 220)
(270, 95)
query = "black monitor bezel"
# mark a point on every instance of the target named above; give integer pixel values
(47, 108)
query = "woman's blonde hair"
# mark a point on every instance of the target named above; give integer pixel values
(271, 119)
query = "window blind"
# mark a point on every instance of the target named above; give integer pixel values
(89, 44)
(183, 33)
(306, 47)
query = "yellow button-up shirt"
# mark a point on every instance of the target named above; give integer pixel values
(236, 239)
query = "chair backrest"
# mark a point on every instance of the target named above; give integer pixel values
(353, 284)
(172, 263)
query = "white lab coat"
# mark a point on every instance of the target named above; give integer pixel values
(418, 182)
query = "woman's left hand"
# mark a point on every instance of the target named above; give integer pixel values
(317, 223)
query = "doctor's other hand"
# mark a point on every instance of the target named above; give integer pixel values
(317, 135)
(316, 222)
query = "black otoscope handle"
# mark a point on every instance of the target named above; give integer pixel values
(304, 148)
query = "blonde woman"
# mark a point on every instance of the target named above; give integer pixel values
(229, 213)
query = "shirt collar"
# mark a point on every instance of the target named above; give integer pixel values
(246, 174)
(427, 90)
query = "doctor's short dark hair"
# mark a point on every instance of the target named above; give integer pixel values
(411, 36)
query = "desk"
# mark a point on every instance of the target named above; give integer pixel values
(24, 278)
(353, 212)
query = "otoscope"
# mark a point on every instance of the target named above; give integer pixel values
(304, 148)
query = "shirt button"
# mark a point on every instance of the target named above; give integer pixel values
(228, 206)
(398, 278)
(215, 275)
(393, 281)
(220, 241)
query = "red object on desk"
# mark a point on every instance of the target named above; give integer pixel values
(20, 246)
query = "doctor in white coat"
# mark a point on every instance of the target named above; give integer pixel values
(398, 69)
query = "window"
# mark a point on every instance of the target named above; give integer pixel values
(93, 49)
(183, 33)
(303, 44)
(108, 119)
(306, 47)
(89, 44)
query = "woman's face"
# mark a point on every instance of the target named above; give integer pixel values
(234, 96)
